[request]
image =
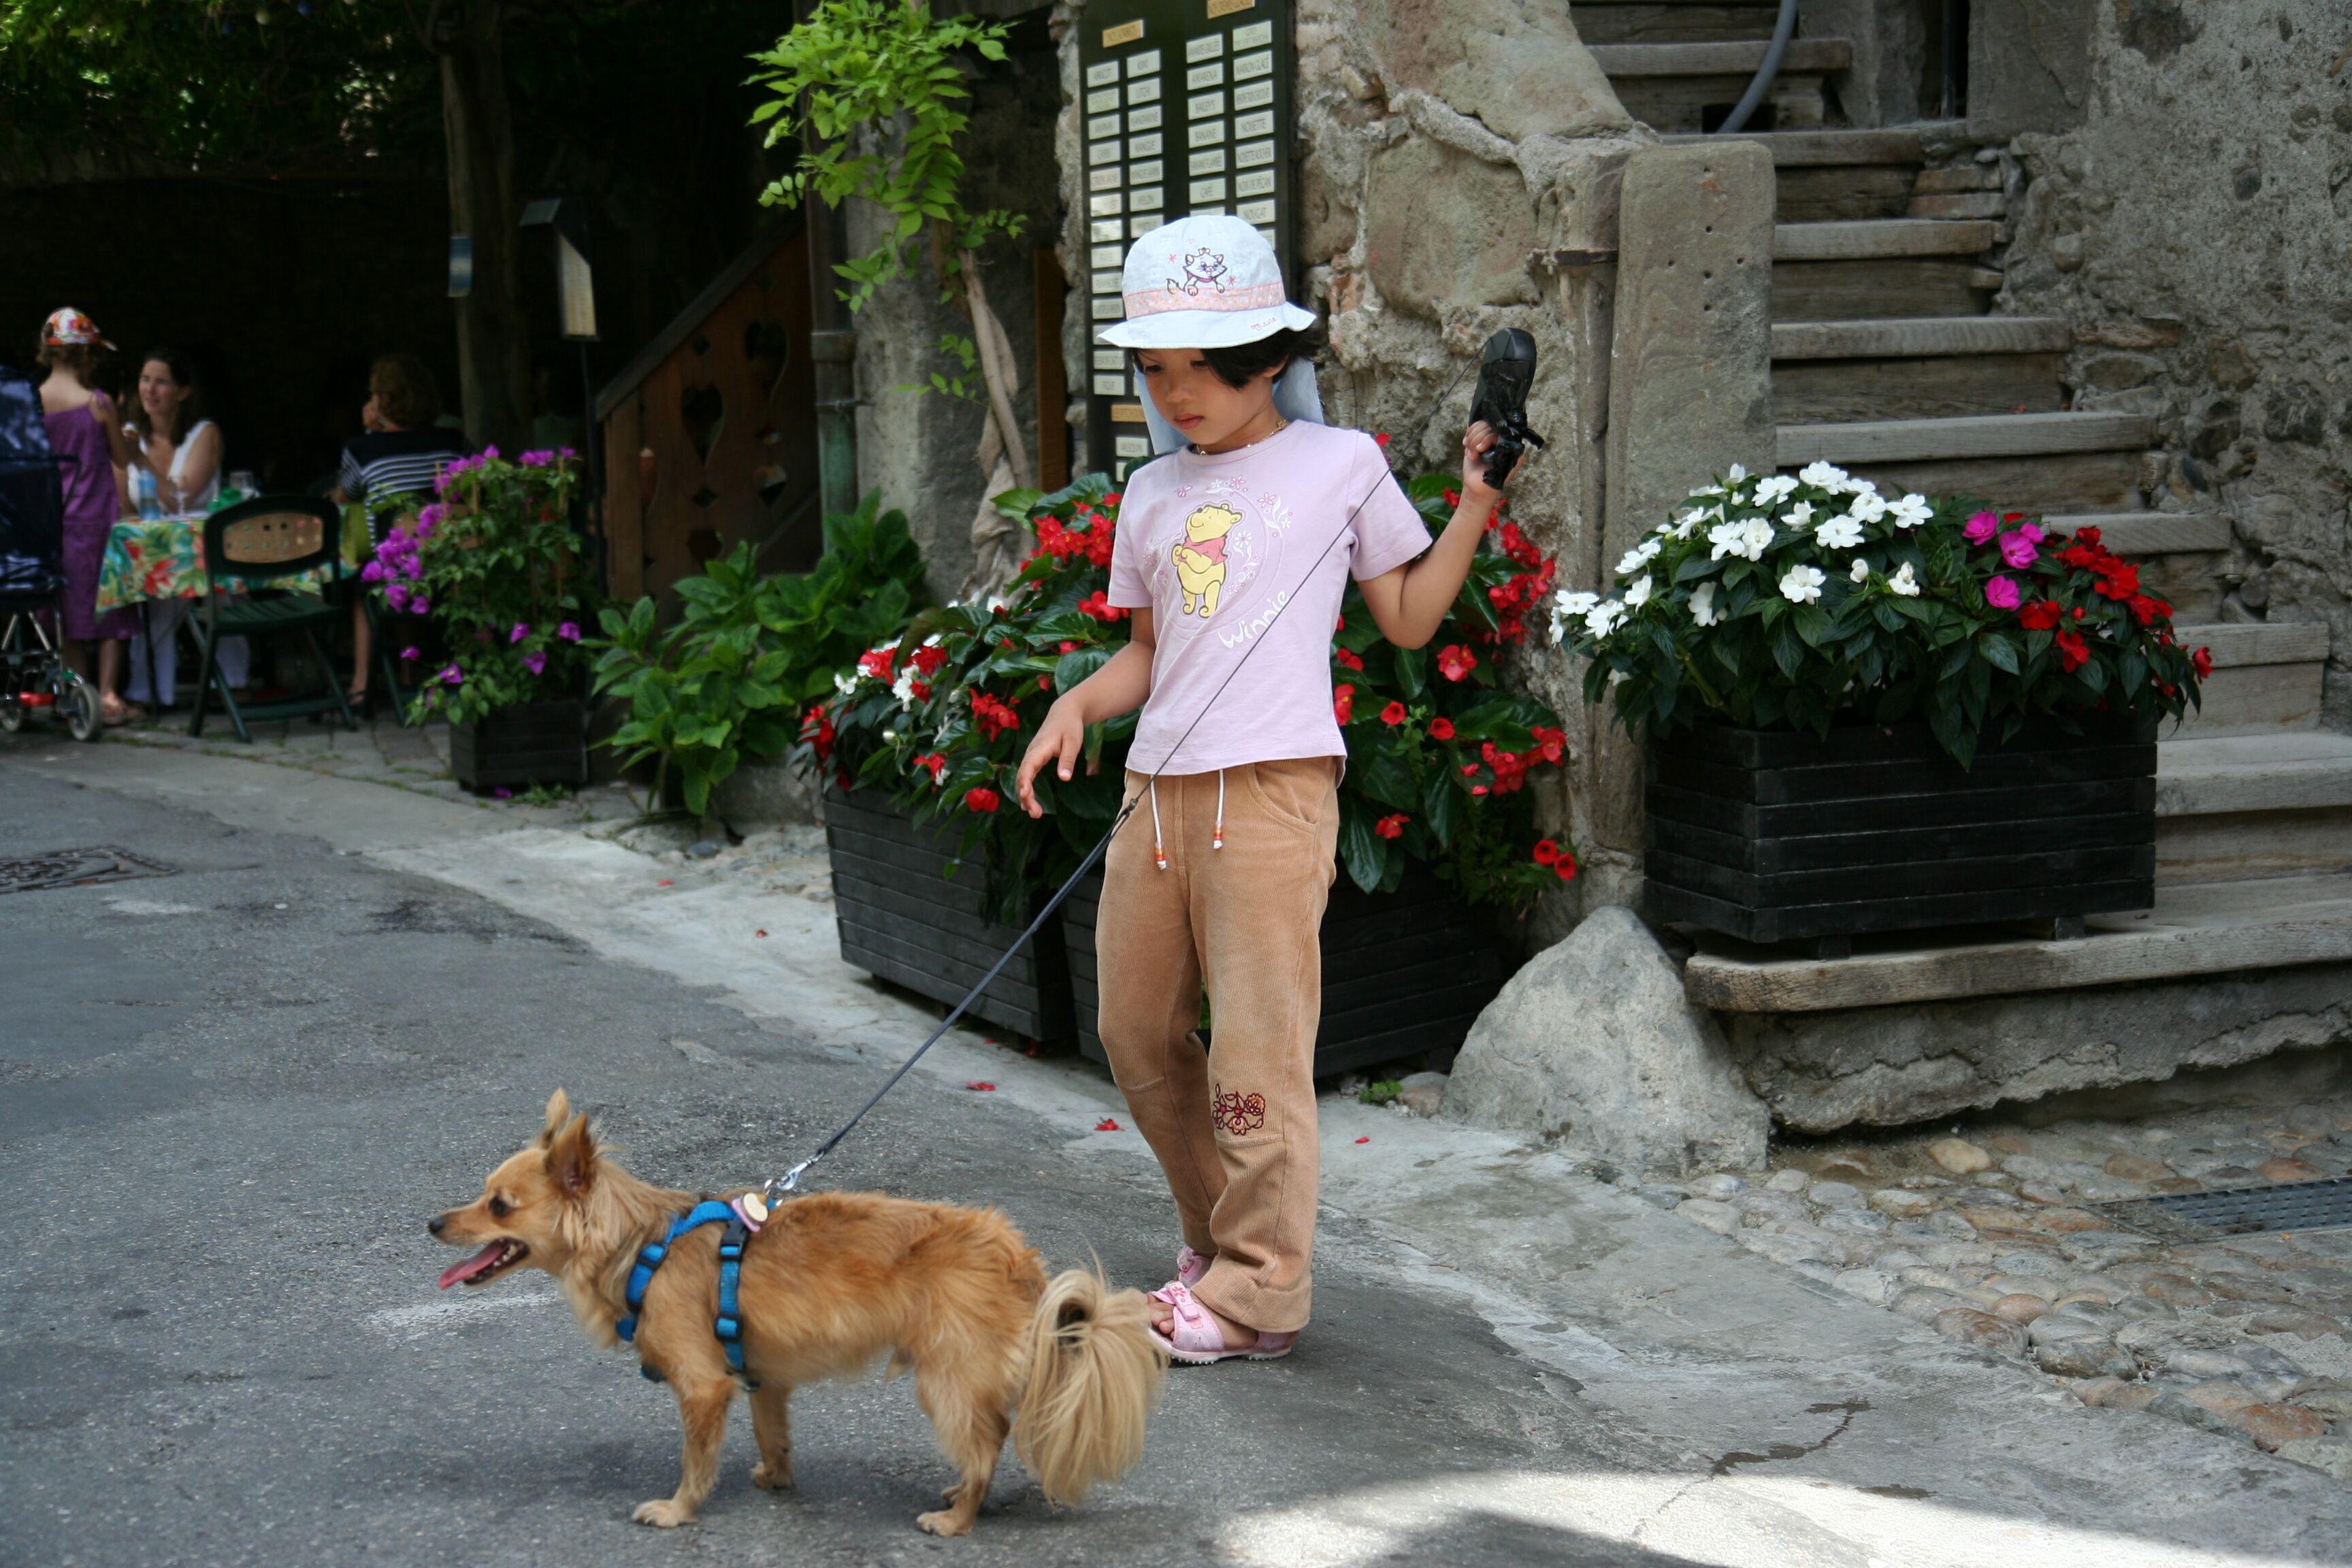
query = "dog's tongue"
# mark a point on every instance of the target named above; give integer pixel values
(459, 1273)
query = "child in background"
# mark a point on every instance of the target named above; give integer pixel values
(1237, 546)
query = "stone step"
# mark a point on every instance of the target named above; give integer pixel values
(2201, 929)
(1908, 287)
(2232, 808)
(1738, 57)
(2054, 486)
(1801, 149)
(1963, 177)
(2140, 535)
(1652, 23)
(1871, 239)
(1993, 436)
(1832, 392)
(2267, 676)
(1960, 204)
(1919, 338)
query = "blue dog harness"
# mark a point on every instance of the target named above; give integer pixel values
(729, 1326)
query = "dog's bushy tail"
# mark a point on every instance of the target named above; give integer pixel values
(1091, 1377)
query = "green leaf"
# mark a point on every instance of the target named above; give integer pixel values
(1999, 651)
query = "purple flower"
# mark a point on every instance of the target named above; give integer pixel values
(2001, 593)
(536, 459)
(407, 654)
(535, 662)
(503, 792)
(453, 676)
(521, 631)
(418, 605)
(372, 572)
(1979, 528)
(396, 595)
(569, 631)
(2017, 550)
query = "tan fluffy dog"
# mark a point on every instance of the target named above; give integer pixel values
(832, 1282)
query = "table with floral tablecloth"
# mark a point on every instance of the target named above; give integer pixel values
(162, 558)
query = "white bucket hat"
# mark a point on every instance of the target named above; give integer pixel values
(1205, 282)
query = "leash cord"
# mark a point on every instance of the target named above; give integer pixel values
(789, 1181)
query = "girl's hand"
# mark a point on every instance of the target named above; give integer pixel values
(1476, 442)
(1061, 740)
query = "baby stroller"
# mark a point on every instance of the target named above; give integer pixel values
(33, 674)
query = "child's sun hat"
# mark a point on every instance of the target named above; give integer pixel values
(68, 328)
(1202, 282)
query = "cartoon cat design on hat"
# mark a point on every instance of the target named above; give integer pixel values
(1200, 557)
(1204, 268)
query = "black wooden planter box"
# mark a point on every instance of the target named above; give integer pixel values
(903, 919)
(531, 742)
(1772, 836)
(1402, 972)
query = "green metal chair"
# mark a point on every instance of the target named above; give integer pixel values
(257, 541)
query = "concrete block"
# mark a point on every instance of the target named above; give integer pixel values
(1446, 230)
(2028, 66)
(1517, 66)
(764, 794)
(1594, 1042)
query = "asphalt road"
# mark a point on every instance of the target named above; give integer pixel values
(230, 1097)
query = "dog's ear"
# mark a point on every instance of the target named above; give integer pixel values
(559, 1110)
(571, 1158)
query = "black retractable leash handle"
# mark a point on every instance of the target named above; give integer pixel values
(1506, 371)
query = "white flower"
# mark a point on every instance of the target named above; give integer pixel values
(1707, 490)
(1638, 593)
(888, 736)
(1564, 605)
(903, 689)
(1602, 616)
(997, 602)
(1868, 506)
(1803, 585)
(1683, 525)
(1640, 556)
(1749, 538)
(1799, 515)
(1738, 473)
(1701, 603)
(843, 682)
(1902, 583)
(1823, 476)
(1910, 511)
(1771, 492)
(1839, 533)
(1861, 572)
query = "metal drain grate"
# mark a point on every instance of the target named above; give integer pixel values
(2238, 1211)
(76, 869)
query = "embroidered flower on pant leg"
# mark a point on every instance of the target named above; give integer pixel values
(1238, 1113)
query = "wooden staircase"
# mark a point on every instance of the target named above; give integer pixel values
(1889, 359)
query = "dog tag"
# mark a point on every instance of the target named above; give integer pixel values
(754, 1208)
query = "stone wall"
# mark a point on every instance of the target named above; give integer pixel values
(1457, 172)
(2196, 227)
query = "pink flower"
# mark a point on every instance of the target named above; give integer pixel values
(454, 676)
(2002, 594)
(535, 662)
(569, 631)
(2017, 550)
(521, 631)
(407, 654)
(1981, 527)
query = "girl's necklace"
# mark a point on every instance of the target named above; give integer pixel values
(1280, 425)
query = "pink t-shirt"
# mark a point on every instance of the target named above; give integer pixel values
(1214, 547)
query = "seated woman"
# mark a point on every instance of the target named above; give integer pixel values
(183, 449)
(86, 431)
(399, 454)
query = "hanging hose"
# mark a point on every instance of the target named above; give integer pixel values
(1783, 29)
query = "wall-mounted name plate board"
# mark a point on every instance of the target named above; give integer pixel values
(1185, 109)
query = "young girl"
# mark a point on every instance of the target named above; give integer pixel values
(85, 428)
(1240, 540)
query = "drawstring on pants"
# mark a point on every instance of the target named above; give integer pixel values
(1158, 840)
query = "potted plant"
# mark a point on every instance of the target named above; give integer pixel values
(1436, 818)
(497, 563)
(735, 676)
(1867, 713)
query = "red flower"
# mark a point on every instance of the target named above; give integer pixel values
(2072, 652)
(1345, 660)
(1097, 605)
(1441, 728)
(994, 715)
(816, 729)
(1044, 683)
(1546, 852)
(2119, 580)
(2201, 661)
(1551, 744)
(1454, 661)
(2146, 610)
(1565, 867)
(1381, 437)
(927, 659)
(1391, 825)
(936, 760)
(877, 662)
(1393, 714)
(1343, 704)
(1069, 647)
(981, 798)
(2040, 615)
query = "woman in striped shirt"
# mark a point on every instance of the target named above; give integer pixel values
(399, 455)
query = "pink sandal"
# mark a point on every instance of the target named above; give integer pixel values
(1196, 1341)
(1190, 1266)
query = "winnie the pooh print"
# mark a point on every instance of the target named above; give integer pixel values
(1200, 557)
